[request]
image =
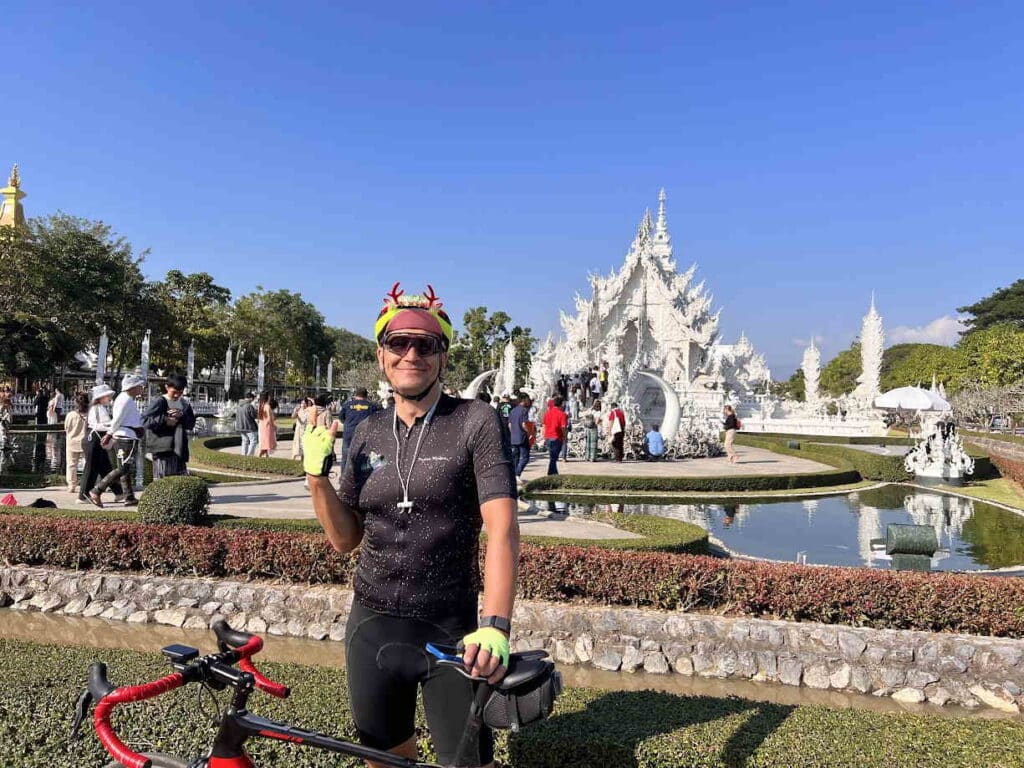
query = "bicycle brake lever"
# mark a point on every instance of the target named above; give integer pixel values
(81, 711)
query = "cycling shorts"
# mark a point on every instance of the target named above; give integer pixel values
(386, 662)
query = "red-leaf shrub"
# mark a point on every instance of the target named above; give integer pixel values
(1008, 467)
(853, 596)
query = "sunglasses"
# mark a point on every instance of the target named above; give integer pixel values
(425, 346)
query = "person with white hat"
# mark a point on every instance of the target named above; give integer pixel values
(125, 430)
(98, 460)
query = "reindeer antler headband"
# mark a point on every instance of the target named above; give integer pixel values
(397, 301)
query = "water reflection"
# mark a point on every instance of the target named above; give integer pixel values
(42, 452)
(839, 530)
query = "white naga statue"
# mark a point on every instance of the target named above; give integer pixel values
(655, 329)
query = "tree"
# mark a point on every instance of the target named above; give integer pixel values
(480, 344)
(839, 376)
(351, 349)
(197, 309)
(290, 330)
(793, 388)
(1006, 305)
(906, 365)
(33, 347)
(994, 356)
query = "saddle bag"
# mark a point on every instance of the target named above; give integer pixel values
(526, 695)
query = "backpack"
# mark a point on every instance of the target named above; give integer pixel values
(739, 424)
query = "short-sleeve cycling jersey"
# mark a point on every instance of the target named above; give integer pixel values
(424, 561)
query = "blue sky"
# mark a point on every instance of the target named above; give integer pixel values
(812, 152)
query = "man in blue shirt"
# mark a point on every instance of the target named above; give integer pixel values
(352, 412)
(519, 438)
(655, 444)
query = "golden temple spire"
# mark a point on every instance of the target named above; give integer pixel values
(11, 211)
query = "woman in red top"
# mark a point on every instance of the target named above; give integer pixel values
(555, 424)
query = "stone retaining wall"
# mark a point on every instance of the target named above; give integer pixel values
(909, 666)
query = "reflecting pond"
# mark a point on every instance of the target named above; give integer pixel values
(838, 530)
(42, 453)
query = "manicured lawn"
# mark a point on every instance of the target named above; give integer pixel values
(994, 489)
(625, 729)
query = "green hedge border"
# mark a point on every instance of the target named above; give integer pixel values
(661, 534)
(835, 439)
(839, 476)
(206, 451)
(639, 729)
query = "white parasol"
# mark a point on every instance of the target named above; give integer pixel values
(912, 399)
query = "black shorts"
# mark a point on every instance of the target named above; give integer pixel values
(386, 662)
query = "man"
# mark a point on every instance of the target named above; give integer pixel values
(125, 430)
(245, 423)
(519, 435)
(654, 444)
(556, 425)
(617, 430)
(595, 384)
(353, 412)
(421, 479)
(168, 420)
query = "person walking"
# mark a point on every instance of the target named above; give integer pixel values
(126, 429)
(6, 417)
(731, 424)
(299, 413)
(245, 423)
(267, 425)
(519, 436)
(556, 424)
(353, 412)
(99, 452)
(76, 427)
(54, 407)
(617, 430)
(422, 480)
(594, 384)
(168, 420)
(591, 434)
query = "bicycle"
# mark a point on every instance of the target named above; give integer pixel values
(526, 694)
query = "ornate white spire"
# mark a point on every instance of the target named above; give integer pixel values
(662, 225)
(812, 374)
(872, 344)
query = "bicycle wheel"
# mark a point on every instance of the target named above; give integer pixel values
(160, 760)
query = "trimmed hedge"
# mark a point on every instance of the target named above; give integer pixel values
(836, 439)
(840, 476)
(619, 729)
(869, 466)
(661, 534)
(178, 500)
(1009, 468)
(961, 603)
(206, 451)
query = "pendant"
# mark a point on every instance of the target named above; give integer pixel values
(405, 506)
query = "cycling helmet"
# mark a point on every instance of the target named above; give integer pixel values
(422, 312)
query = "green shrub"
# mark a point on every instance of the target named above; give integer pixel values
(179, 500)
(734, 483)
(207, 452)
(869, 466)
(617, 729)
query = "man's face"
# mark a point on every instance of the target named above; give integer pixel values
(135, 391)
(408, 371)
(173, 393)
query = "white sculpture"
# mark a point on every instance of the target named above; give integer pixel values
(939, 456)
(505, 380)
(812, 373)
(872, 344)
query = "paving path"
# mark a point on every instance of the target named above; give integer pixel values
(752, 461)
(289, 500)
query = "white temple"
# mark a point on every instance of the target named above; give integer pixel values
(656, 330)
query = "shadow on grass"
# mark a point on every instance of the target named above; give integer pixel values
(629, 729)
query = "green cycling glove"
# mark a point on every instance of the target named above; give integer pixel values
(490, 640)
(317, 451)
